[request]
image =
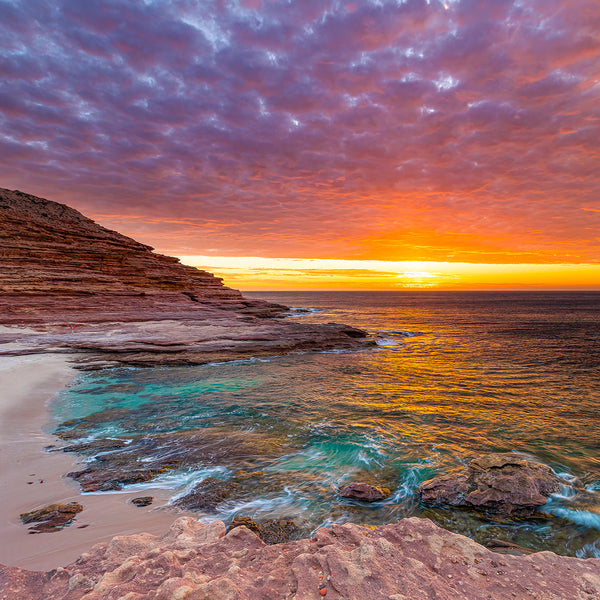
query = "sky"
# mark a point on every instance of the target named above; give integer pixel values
(318, 143)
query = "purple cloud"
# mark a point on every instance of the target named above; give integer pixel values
(384, 129)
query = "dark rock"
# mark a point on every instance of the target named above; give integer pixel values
(206, 495)
(502, 484)
(95, 446)
(142, 501)
(53, 517)
(147, 456)
(503, 547)
(97, 480)
(278, 531)
(244, 522)
(272, 532)
(364, 492)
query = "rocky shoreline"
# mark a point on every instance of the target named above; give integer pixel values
(69, 286)
(80, 288)
(409, 560)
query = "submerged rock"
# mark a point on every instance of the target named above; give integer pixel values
(364, 492)
(278, 531)
(409, 560)
(244, 522)
(53, 517)
(504, 547)
(206, 495)
(147, 456)
(503, 484)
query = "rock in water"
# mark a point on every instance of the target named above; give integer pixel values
(409, 560)
(53, 517)
(499, 483)
(364, 492)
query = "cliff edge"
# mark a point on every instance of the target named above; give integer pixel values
(79, 287)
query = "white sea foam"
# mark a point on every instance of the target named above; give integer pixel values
(591, 550)
(580, 517)
(172, 480)
(302, 311)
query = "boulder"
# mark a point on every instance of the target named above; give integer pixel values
(53, 517)
(504, 484)
(364, 492)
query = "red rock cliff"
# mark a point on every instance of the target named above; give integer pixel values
(46, 247)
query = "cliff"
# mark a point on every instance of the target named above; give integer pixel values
(80, 287)
(49, 248)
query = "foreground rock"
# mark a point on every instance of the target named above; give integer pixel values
(79, 287)
(53, 517)
(504, 484)
(410, 560)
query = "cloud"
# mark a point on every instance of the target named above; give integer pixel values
(332, 129)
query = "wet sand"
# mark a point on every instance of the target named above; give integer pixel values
(31, 477)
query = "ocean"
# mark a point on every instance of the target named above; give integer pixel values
(454, 375)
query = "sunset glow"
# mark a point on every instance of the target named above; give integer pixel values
(462, 134)
(253, 273)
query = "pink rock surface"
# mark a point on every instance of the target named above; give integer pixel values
(410, 560)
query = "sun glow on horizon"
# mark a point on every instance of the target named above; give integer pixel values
(251, 273)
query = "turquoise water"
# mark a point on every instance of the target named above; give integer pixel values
(455, 375)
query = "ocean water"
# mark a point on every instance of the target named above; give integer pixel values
(454, 375)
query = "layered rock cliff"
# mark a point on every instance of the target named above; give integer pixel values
(85, 288)
(50, 248)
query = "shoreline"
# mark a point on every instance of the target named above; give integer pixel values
(30, 383)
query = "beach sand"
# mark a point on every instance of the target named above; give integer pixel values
(31, 477)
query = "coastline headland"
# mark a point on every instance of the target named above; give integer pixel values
(80, 288)
(74, 295)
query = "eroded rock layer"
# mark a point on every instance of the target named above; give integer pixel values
(84, 288)
(409, 560)
(50, 248)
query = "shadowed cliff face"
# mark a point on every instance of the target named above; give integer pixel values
(95, 291)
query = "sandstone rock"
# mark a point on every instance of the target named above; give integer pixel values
(497, 483)
(87, 289)
(364, 492)
(409, 560)
(53, 517)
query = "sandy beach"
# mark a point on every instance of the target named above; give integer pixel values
(31, 477)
